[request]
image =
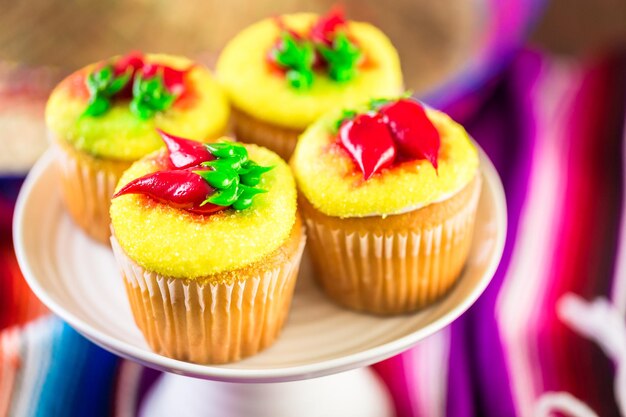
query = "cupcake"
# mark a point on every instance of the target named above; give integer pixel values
(283, 73)
(208, 240)
(388, 193)
(104, 117)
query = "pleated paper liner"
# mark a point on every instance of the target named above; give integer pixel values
(212, 322)
(250, 130)
(397, 269)
(87, 185)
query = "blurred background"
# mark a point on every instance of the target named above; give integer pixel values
(43, 40)
(540, 85)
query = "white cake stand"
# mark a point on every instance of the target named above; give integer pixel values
(78, 280)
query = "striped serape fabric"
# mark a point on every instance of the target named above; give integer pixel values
(549, 332)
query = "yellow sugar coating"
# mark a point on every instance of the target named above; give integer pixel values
(180, 244)
(256, 89)
(334, 185)
(119, 134)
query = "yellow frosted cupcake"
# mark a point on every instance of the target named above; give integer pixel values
(103, 117)
(282, 74)
(389, 194)
(209, 243)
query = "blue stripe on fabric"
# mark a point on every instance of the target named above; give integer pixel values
(35, 357)
(80, 379)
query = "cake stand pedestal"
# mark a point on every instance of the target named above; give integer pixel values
(316, 367)
(358, 392)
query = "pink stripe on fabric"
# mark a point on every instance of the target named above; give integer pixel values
(567, 362)
(525, 284)
(545, 359)
(417, 379)
(430, 362)
(393, 372)
(127, 389)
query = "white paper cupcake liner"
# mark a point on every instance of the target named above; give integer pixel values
(391, 272)
(87, 188)
(209, 322)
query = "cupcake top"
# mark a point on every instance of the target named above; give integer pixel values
(386, 157)
(110, 109)
(195, 210)
(290, 70)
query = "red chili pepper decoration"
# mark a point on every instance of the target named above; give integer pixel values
(324, 29)
(182, 189)
(133, 60)
(326, 47)
(173, 79)
(414, 134)
(368, 140)
(202, 178)
(284, 28)
(392, 131)
(151, 87)
(185, 153)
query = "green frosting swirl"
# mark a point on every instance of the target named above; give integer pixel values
(103, 85)
(150, 96)
(233, 175)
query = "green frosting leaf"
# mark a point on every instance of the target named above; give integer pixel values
(342, 58)
(150, 96)
(300, 79)
(345, 115)
(250, 173)
(233, 175)
(297, 56)
(97, 105)
(245, 197)
(219, 179)
(227, 196)
(376, 103)
(103, 85)
(222, 149)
